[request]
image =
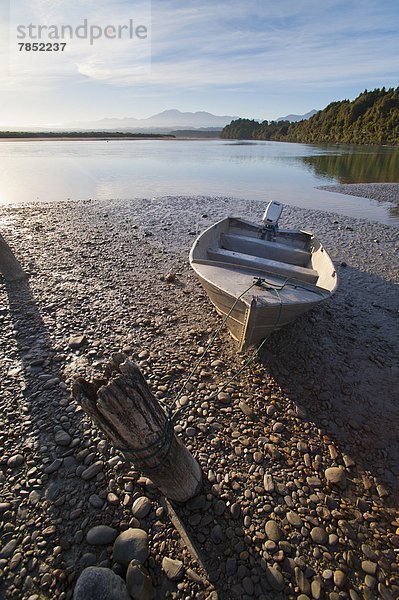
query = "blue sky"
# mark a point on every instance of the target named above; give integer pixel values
(257, 59)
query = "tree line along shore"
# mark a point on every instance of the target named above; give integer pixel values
(372, 118)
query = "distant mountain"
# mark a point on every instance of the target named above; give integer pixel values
(295, 118)
(163, 121)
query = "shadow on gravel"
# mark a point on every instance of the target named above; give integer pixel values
(340, 362)
(223, 547)
(50, 433)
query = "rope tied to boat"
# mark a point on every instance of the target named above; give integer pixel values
(250, 359)
(160, 447)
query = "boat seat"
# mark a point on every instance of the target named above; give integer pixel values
(265, 249)
(263, 264)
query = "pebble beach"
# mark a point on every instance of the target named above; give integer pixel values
(300, 454)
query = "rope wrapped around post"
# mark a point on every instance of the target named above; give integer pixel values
(123, 407)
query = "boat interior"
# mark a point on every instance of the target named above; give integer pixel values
(239, 243)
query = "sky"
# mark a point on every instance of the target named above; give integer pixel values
(256, 59)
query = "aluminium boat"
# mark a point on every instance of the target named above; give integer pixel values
(260, 277)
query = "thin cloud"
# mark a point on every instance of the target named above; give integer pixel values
(209, 46)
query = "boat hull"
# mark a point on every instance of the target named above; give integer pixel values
(258, 294)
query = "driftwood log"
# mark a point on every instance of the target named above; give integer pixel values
(123, 407)
(9, 266)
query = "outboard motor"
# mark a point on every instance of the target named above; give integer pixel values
(270, 219)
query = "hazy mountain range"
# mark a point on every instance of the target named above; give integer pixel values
(165, 121)
(170, 119)
(295, 118)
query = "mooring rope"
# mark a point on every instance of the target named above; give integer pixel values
(162, 444)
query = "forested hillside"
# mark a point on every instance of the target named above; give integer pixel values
(372, 118)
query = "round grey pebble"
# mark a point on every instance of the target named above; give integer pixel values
(101, 535)
(97, 582)
(294, 519)
(15, 461)
(319, 535)
(131, 544)
(141, 507)
(273, 531)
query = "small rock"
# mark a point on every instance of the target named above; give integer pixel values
(247, 410)
(8, 549)
(77, 341)
(369, 567)
(275, 578)
(294, 519)
(101, 535)
(384, 593)
(318, 535)
(382, 491)
(268, 483)
(273, 531)
(62, 438)
(316, 589)
(217, 535)
(224, 398)
(231, 567)
(34, 497)
(248, 586)
(235, 510)
(197, 502)
(339, 578)
(173, 569)
(95, 583)
(92, 470)
(258, 457)
(129, 545)
(141, 507)
(96, 501)
(15, 461)
(217, 363)
(54, 466)
(313, 482)
(138, 581)
(336, 476)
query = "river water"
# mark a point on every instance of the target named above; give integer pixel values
(50, 170)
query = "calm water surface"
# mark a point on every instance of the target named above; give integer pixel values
(59, 170)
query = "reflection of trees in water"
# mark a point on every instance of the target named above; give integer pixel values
(382, 167)
(359, 167)
(394, 210)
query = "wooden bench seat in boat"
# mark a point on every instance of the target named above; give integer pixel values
(265, 249)
(263, 264)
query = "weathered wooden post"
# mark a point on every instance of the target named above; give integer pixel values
(9, 266)
(123, 407)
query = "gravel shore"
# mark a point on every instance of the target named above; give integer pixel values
(381, 192)
(386, 192)
(300, 456)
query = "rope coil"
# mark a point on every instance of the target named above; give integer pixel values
(160, 446)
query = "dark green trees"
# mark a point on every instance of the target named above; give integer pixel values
(372, 118)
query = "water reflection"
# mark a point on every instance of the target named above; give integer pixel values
(292, 173)
(356, 166)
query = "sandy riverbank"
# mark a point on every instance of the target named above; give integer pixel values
(384, 192)
(269, 524)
